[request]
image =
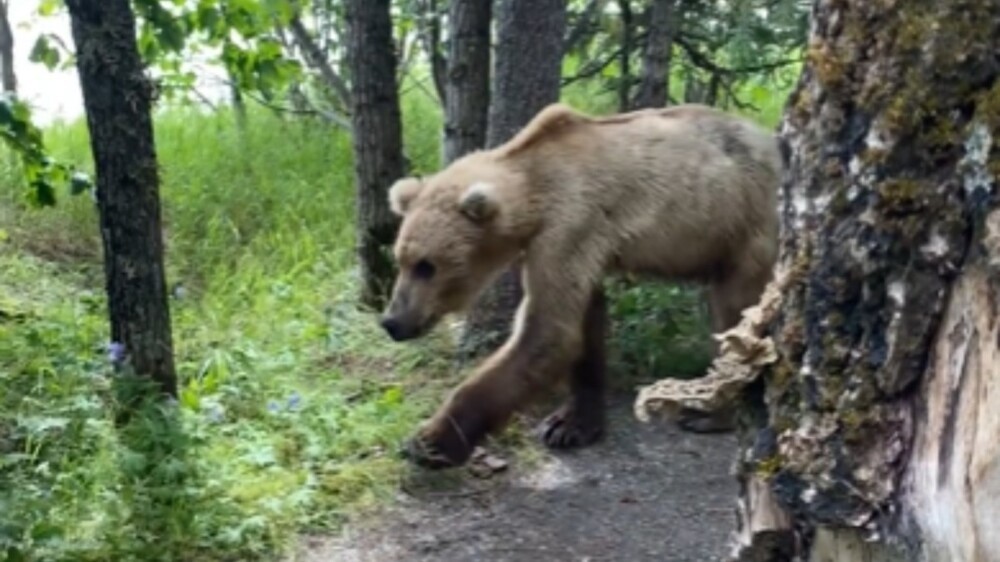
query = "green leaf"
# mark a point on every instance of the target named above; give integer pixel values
(43, 52)
(25, 139)
(189, 398)
(49, 7)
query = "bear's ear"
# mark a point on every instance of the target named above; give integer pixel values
(479, 202)
(402, 193)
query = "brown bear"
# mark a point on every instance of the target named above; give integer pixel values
(686, 193)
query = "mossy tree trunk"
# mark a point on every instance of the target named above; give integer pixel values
(118, 97)
(527, 73)
(880, 416)
(377, 140)
(467, 85)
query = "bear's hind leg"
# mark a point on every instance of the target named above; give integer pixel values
(726, 300)
(581, 420)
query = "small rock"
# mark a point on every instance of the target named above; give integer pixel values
(484, 464)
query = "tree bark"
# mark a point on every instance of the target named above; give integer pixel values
(526, 78)
(625, 57)
(429, 29)
(8, 78)
(876, 415)
(654, 82)
(377, 140)
(117, 97)
(467, 90)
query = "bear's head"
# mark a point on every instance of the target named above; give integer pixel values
(458, 233)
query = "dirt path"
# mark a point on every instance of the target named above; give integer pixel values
(647, 492)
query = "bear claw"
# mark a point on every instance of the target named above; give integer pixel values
(439, 449)
(424, 456)
(565, 429)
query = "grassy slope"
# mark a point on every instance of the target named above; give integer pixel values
(292, 402)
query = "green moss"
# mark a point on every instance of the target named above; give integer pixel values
(769, 467)
(988, 106)
(897, 193)
(829, 67)
(839, 204)
(873, 156)
(781, 374)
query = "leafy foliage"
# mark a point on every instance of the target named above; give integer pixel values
(280, 426)
(718, 47)
(291, 404)
(241, 31)
(42, 173)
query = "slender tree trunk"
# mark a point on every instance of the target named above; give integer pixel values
(625, 58)
(467, 91)
(429, 31)
(878, 413)
(238, 103)
(8, 79)
(654, 83)
(378, 142)
(314, 56)
(117, 96)
(526, 78)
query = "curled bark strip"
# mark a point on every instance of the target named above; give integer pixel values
(743, 351)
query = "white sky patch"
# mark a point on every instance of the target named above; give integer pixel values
(52, 94)
(55, 94)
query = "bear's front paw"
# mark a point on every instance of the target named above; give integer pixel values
(441, 445)
(570, 427)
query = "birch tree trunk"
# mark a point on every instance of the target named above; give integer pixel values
(872, 425)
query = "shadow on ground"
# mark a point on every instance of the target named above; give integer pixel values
(647, 492)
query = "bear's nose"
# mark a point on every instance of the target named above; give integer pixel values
(392, 327)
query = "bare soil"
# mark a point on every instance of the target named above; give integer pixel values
(645, 492)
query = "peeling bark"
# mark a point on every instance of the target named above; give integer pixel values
(875, 427)
(953, 478)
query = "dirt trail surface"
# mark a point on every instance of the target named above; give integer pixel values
(646, 492)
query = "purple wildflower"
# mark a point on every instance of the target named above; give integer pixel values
(294, 400)
(273, 407)
(116, 353)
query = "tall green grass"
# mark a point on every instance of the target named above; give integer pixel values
(292, 403)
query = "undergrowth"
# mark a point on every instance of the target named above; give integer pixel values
(292, 404)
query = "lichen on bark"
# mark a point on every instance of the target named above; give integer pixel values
(880, 206)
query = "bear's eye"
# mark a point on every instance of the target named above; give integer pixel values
(423, 270)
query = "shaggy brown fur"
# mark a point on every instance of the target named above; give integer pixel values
(685, 193)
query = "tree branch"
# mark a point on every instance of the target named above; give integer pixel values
(703, 62)
(314, 56)
(592, 68)
(586, 25)
(328, 116)
(430, 35)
